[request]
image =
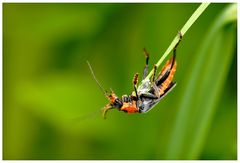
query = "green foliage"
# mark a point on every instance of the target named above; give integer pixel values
(51, 103)
(184, 29)
(204, 87)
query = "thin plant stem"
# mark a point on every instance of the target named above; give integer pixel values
(184, 29)
(197, 106)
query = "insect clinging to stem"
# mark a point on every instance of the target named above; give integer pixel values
(149, 93)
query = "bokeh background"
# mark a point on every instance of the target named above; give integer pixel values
(51, 104)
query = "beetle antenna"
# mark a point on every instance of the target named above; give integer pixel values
(103, 90)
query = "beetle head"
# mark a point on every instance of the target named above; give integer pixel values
(114, 102)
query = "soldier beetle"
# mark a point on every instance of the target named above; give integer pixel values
(149, 94)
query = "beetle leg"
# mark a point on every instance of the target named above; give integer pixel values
(154, 73)
(149, 96)
(145, 71)
(147, 107)
(135, 81)
(175, 48)
(166, 74)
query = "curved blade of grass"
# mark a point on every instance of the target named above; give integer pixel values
(184, 29)
(204, 88)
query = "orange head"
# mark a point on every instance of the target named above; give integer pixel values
(114, 102)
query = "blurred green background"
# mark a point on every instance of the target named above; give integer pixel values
(51, 102)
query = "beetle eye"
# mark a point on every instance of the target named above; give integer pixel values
(118, 103)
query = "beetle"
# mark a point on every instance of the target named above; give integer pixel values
(149, 93)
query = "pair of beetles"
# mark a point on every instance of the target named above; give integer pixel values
(150, 91)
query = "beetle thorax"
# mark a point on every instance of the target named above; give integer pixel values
(129, 107)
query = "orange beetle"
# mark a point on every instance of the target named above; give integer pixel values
(146, 96)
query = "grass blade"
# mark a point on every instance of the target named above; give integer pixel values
(185, 28)
(204, 88)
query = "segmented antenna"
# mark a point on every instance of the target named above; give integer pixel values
(135, 79)
(103, 90)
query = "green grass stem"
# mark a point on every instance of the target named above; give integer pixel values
(204, 88)
(184, 29)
